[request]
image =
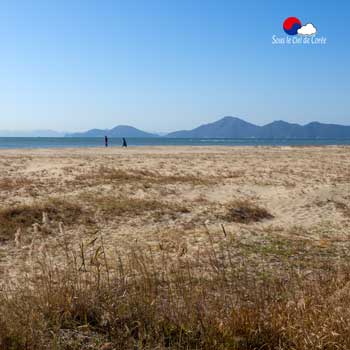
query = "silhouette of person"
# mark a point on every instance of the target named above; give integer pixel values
(106, 141)
(124, 143)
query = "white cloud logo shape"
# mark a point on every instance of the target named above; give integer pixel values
(307, 29)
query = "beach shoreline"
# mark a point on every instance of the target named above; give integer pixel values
(164, 148)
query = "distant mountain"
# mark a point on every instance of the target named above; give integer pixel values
(231, 127)
(118, 131)
(227, 127)
(32, 133)
(280, 130)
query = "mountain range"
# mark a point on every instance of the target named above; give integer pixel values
(231, 127)
(118, 131)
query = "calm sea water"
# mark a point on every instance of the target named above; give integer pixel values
(61, 142)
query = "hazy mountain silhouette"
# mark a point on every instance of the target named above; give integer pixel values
(231, 127)
(118, 131)
(227, 127)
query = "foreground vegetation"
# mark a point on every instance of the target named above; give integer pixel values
(227, 296)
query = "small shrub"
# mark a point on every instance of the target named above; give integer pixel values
(244, 211)
(345, 209)
(113, 207)
(23, 216)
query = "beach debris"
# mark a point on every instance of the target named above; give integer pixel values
(182, 250)
(107, 346)
(301, 303)
(32, 248)
(45, 219)
(35, 236)
(61, 228)
(43, 248)
(18, 238)
(224, 230)
(35, 230)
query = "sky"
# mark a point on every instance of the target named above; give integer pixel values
(73, 65)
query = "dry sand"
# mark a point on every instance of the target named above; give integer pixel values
(179, 194)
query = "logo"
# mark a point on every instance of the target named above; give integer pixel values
(298, 34)
(293, 26)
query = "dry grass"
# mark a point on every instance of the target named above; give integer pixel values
(344, 208)
(13, 183)
(144, 302)
(245, 211)
(107, 175)
(24, 216)
(114, 207)
(341, 206)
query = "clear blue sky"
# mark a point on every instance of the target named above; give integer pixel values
(165, 65)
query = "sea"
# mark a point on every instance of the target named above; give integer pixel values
(72, 142)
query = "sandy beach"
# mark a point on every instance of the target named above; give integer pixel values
(107, 248)
(150, 194)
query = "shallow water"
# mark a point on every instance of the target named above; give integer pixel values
(66, 142)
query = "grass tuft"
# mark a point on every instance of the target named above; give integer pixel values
(24, 216)
(244, 211)
(114, 207)
(107, 175)
(12, 183)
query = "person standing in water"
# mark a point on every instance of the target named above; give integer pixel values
(106, 141)
(124, 143)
